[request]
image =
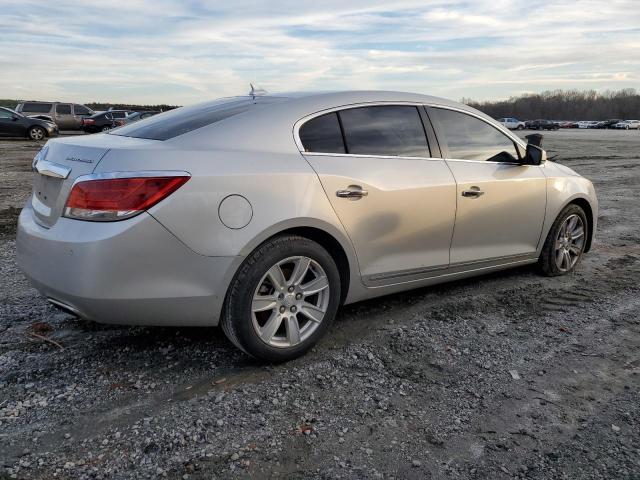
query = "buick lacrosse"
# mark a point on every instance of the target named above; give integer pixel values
(265, 213)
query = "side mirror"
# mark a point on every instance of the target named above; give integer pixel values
(534, 155)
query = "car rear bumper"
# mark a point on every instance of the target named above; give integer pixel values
(129, 272)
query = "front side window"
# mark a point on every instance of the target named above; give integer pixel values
(322, 134)
(5, 114)
(469, 138)
(63, 109)
(36, 107)
(394, 130)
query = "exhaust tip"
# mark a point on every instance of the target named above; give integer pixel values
(63, 306)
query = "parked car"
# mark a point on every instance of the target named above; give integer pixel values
(542, 125)
(14, 124)
(628, 125)
(586, 123)
(512, 123)
(101, 122)
(68, 116)
(179, 220)
(568, 124)
(608, 123)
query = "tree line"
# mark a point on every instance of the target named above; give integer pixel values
(565, 105)
(100, 106)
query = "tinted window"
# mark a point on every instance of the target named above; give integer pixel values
(322, 134)
(5, 114)
(470, 138)
(186, 119)
(384, 130)
(81, 110)
(118, 114)
(63, 109)
(34, 107)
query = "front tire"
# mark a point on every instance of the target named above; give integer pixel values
(565, 242)
(283, 299)
(37, 133)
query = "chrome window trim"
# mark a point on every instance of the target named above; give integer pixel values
(131, 174)
(359, 155)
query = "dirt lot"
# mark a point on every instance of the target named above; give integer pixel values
(415, 385)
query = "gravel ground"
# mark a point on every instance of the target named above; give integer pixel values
(511, 375)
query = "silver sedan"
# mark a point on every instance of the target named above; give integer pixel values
(265, 213)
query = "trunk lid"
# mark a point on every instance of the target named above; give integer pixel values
(60, 162)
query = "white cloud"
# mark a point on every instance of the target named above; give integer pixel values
(152, 51)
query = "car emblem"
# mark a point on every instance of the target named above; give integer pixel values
(78, 159)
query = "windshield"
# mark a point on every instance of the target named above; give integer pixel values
(186, 119)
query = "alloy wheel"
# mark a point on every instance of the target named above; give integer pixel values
(569, 242)
(290, 301)
(36, 134)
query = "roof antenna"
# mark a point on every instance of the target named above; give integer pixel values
(255, 92)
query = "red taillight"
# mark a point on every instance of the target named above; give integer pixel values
(88, 121)
(118, 198)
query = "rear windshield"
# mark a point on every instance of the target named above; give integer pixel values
(186, 119)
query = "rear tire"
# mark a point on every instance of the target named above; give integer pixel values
(105, 128)
(282, 300)
(37, 133)
(565, 243)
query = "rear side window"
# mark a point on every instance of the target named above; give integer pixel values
(394, 130)
(322, 134)
(118, 114)
(470, 138)
(63, 109)
(37, 107)
(186, 119)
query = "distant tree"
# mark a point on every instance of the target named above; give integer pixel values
(565, 105)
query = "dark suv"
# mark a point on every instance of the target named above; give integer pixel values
(542, 125)
(68, 116)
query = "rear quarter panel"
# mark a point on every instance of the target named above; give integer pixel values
(283, 190)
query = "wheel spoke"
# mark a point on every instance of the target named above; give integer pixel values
(293, 330)
(300, 271)
(567, 259)
(314, 313)
(559, 257)
(271, 327)
(263, 302)
(571, 223)
(277, 277)
(575, 249)
(577, 233)
(314, 286)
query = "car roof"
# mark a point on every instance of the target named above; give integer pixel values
(270, 121)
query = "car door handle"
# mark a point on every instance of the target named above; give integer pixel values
(352, 192)
(473, 193)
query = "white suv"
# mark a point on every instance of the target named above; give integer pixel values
(512, 123)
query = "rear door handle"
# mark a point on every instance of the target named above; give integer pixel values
(353, 192)
(473, 192)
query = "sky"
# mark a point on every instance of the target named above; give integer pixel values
(186, 51)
